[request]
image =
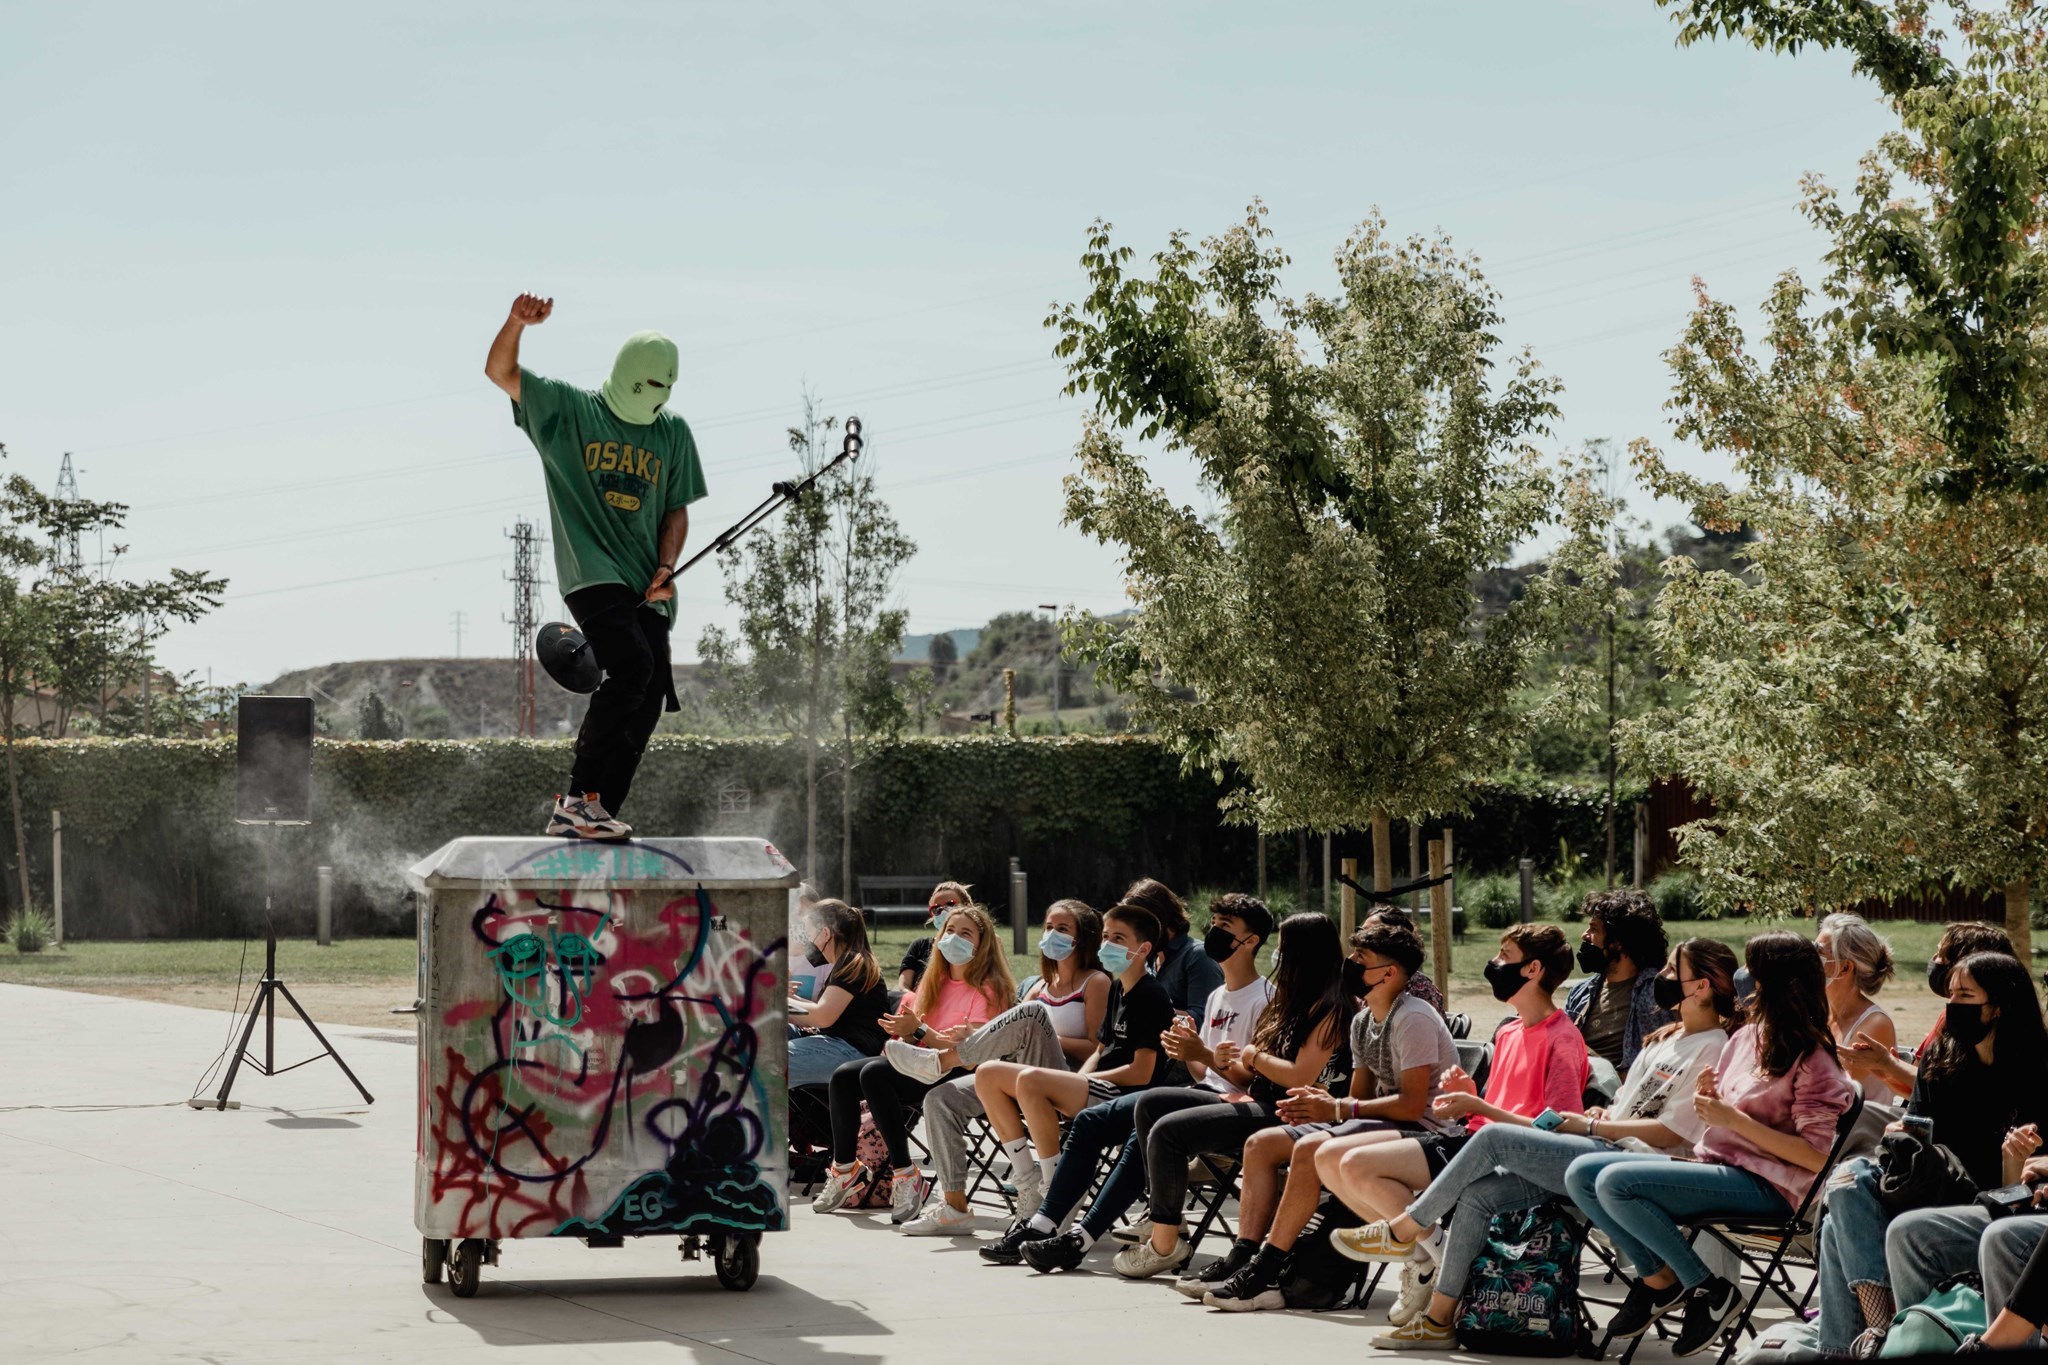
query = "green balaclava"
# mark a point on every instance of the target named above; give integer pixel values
(642, 378)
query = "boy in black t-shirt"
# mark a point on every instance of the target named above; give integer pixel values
(1024, 1104)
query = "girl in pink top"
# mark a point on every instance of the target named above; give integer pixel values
(1771, 1107)
(967, 984)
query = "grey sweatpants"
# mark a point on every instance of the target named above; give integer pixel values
(1024, 1035)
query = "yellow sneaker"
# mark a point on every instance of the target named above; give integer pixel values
(1420, 1333)
(1371, 1242)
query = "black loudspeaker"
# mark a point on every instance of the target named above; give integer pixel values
(274, 761)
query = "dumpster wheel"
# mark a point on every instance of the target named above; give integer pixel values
(433, 1259)
(738, 1260)
(466, 1267)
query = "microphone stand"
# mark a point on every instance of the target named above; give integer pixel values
(782, 493)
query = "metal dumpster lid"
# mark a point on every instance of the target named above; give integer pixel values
(671, 863)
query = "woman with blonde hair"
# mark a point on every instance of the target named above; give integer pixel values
(968, 985)
(1857, 963)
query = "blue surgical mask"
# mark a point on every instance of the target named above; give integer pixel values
(1114, 958)
(956, 949)
(1056, 945)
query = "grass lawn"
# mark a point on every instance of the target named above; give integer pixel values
(170, 962)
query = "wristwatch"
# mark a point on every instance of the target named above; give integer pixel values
(918, 1036)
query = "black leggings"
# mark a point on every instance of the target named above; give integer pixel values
(890, 1095)
(1171, 1134)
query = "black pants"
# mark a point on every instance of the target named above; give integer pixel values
(629, 640)
(890, 1095)
(1172, 1133)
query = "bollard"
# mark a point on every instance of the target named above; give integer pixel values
(1019, 908)
(323, 908)
(57, 877)
(1528, 868)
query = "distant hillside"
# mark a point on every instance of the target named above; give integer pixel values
(440, 698)
(918, 648)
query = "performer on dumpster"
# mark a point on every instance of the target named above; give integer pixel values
(621, 474)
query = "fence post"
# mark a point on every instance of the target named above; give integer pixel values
(1642, 841)
(1347, 904)
(1440, 918)
(57, 876)
(1528, 869)
(1326, 878)
(1019, 900)
(323, 908)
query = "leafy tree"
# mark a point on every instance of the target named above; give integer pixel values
(944, 654)
(40, 603)
(375, 720)
(1948, 269)
(1369, 455)
(815, 637)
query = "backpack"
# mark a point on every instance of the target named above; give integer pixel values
(871, 1154)
(1938, 1324)
(1319, 1277)
(1523, 1295)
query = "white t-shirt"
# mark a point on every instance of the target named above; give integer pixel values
(1660, 1084)
(1230, 1017)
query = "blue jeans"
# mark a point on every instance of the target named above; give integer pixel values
(1504, 1168)
(1096, 1130)
(1638, 1202)
(1851, 1251)
(1926, 1246)
(813, 1057)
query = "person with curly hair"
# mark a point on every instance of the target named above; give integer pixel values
(1623, 950)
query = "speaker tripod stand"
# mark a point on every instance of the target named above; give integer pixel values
(264, 1007)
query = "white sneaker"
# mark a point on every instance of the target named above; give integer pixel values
(839, 1187)
(582, 817)
(1418, 1281)
(918, 1063)
(940, 1220)
(1141, 1262)
(907, 1193)
(1030, 1183)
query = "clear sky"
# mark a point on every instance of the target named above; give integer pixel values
(252, 255)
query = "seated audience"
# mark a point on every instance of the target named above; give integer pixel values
(1055, 1024)
(844, 1023)
(2018, 1308)
(1188, 975)
(1419, 984)
(1512, 1164)
(918, 956)
(1025, 1103)
(1290, 1047)
(1868, 1061)
(1624, 948)
(1983, 1085)
(1399, 1051)
(1771, 1106)
(1238, 927)
(963, 991)
(1539, 1062)
(1857, 962)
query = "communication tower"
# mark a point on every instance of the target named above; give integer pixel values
(525, 618)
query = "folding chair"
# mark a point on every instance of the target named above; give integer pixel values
(1772, 1240)
(1219, 1191)
(982, 1150)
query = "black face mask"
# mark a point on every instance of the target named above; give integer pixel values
(814, 955)
(1593, 959)
(1506, 978)
(1667, 991)
(1354, 978)
(1937, 978)
(1965, 1024)
(1219, 943)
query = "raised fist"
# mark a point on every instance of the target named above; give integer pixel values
(530, 310)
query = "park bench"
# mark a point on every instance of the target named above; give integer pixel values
(896, 898)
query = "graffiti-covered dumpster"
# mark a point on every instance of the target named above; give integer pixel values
(602, 1048)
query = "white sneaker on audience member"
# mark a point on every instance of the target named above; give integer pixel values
(918, 1063)
(940, 1220)
(839, 1187)
(1418, 1278)
(1141, 1262)
(1141, 1231)
(907, 1193)
(1030, 1186)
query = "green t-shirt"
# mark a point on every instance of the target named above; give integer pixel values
(610, 483)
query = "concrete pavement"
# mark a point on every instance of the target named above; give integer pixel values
(138, 1229)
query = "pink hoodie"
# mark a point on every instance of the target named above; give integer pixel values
(1807, 1100)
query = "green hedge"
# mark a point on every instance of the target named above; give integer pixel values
(152, 850)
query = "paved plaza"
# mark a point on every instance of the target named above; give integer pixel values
(138, 1229)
